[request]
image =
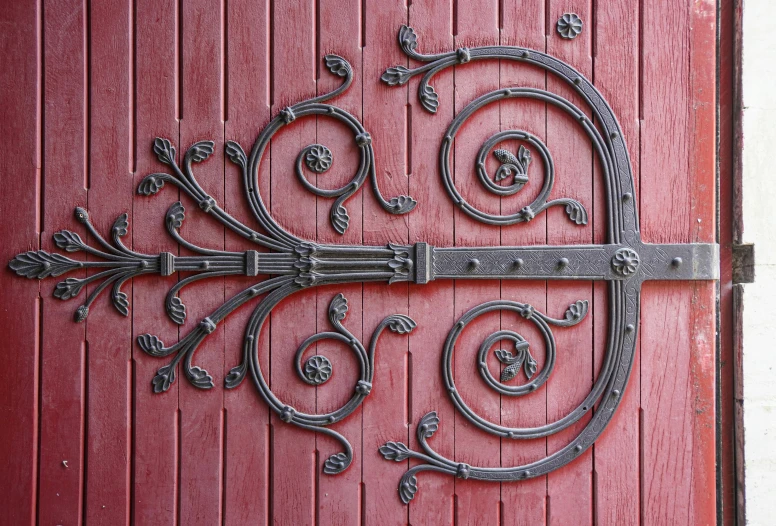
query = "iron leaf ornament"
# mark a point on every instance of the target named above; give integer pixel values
(289, 264)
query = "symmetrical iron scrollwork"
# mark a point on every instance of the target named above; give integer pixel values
(293, 264)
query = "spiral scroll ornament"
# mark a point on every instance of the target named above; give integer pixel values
(284, 264)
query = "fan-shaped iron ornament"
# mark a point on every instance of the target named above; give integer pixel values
(294, 264)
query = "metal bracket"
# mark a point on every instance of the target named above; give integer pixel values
(293, 264)
(743, 263)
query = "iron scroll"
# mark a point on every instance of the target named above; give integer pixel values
(293, 264)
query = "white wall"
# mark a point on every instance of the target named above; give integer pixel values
(759, 207)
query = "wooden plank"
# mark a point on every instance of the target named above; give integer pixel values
(156, 430)
(678, 372)
(246, 423)
(20, 170)
(431, 305)
(616, 482)
(477, 502)
(385, 411)
(63, 351)
(338, 497)
(524, 502)
(201, 411)
(294, 467)
(109, 334)
(570, 488)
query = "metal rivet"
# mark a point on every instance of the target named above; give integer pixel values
(578, 448)
(524, 53)
(518, 263)
(204, 265)
(577, 81)
(474, 263)
(629, 327)
(676, 262)
(626, 196)
(563, 262)
(616, 393)
(613, 135)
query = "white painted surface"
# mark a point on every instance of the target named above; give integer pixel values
(759, 207)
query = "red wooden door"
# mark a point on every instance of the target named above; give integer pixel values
(88, 86)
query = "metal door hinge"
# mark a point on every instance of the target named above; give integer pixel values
(743, 263)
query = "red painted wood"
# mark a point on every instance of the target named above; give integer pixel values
(63, 346)
(386, 411)
(338, 498)
(477, 502)
(246, 422)
(526, 502)
(156, 430)
(616, 482)
(201, 411)
(294, 466)
(108, 366)
(431, 305)
(203, 457)
(569, 489)
(20, 170)
(678, 372)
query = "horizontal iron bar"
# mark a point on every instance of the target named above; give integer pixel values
(699, 261)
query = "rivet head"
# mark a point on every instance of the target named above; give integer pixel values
(474, 263)
(613, 135)
(677, 261)
(629, 327)
(563, 262)
(616, 393)
(626, 196)
(578, 448)
(518, 263)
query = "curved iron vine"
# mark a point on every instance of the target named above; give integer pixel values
(293, 264)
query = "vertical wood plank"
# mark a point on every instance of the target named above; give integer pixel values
(109, 333)
(294, 469)
(616, 72)
(678, 400)
(524, 25)
(338, 497)
(201, 411)
(477, 502)
(63, 351)
(246, 423)
(569, 489)
(156, 429)
(20, 170)
(385, 410)
(431, 305)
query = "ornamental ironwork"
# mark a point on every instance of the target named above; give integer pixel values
(291, 264)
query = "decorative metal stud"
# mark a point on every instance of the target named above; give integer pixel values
(569, 26)
(318, 158)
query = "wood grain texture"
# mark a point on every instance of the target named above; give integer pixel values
(569, 489)
(678, 372)
(477, 502)
(156, 423)
(246, 423)
(431, 305)
(338, 498)
(386, 410)
(108, 333)
(201, 411)
(20, 170)
(524, 25)
(63, 345)
(616, 482)
(92, 84)
(294, 464)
